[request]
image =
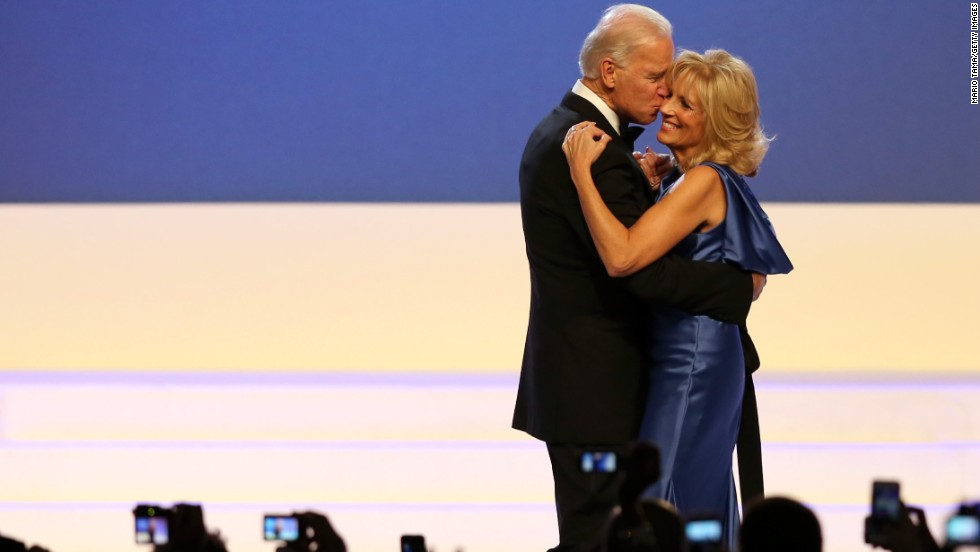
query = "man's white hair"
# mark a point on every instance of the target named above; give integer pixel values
(620, 30)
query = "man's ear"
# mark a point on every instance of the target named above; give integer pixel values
(607, 72)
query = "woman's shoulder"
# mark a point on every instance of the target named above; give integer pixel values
(702, 177)
(707, 170)
(723, 174)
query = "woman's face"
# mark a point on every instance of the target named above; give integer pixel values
(682, 129)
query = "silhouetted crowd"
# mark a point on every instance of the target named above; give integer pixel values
(637, 524)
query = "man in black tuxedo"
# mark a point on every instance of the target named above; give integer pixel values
(582, 385)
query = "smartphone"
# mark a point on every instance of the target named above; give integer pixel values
(601, 462)
(152, 524)
(413, 543)
(885, 502)
(703, 534)
(963, 529)
(279, 527)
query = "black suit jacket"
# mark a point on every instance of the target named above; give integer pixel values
(582, 377)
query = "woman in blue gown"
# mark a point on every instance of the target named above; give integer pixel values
(704, 211)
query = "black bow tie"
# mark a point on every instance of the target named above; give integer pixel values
(630, 133)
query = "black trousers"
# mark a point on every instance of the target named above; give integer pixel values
(584, 500)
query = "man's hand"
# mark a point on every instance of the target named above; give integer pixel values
(655, 166)
(758, 283)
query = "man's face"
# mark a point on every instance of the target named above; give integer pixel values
(640, 86)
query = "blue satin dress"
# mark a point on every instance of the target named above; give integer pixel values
(696, 367)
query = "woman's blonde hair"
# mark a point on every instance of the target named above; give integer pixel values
(727, 93)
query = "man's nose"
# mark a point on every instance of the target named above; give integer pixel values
(662, 90)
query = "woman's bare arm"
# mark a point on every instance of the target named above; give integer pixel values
(697, 204)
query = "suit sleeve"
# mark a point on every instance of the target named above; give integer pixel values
(718, 290)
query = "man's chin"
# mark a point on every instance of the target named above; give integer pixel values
(647, 120)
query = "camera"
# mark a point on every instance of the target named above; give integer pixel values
(963, 527)
(302, 532)
(600, 462)
(177, 528)
(413, 543)
(886, 511)
(280, 527)
(704, 534)
(886, 504)
(152, 524)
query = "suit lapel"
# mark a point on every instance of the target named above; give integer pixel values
(589, 112)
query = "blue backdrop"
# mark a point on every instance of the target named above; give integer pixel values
(374, 100)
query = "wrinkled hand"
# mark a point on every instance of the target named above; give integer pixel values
(655, 166)
(583, 144)
(758, 283)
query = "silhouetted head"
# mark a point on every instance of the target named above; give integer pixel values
(665, 523)
(642, 469)
(780, 524)
(627, 529)
(11, 545)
